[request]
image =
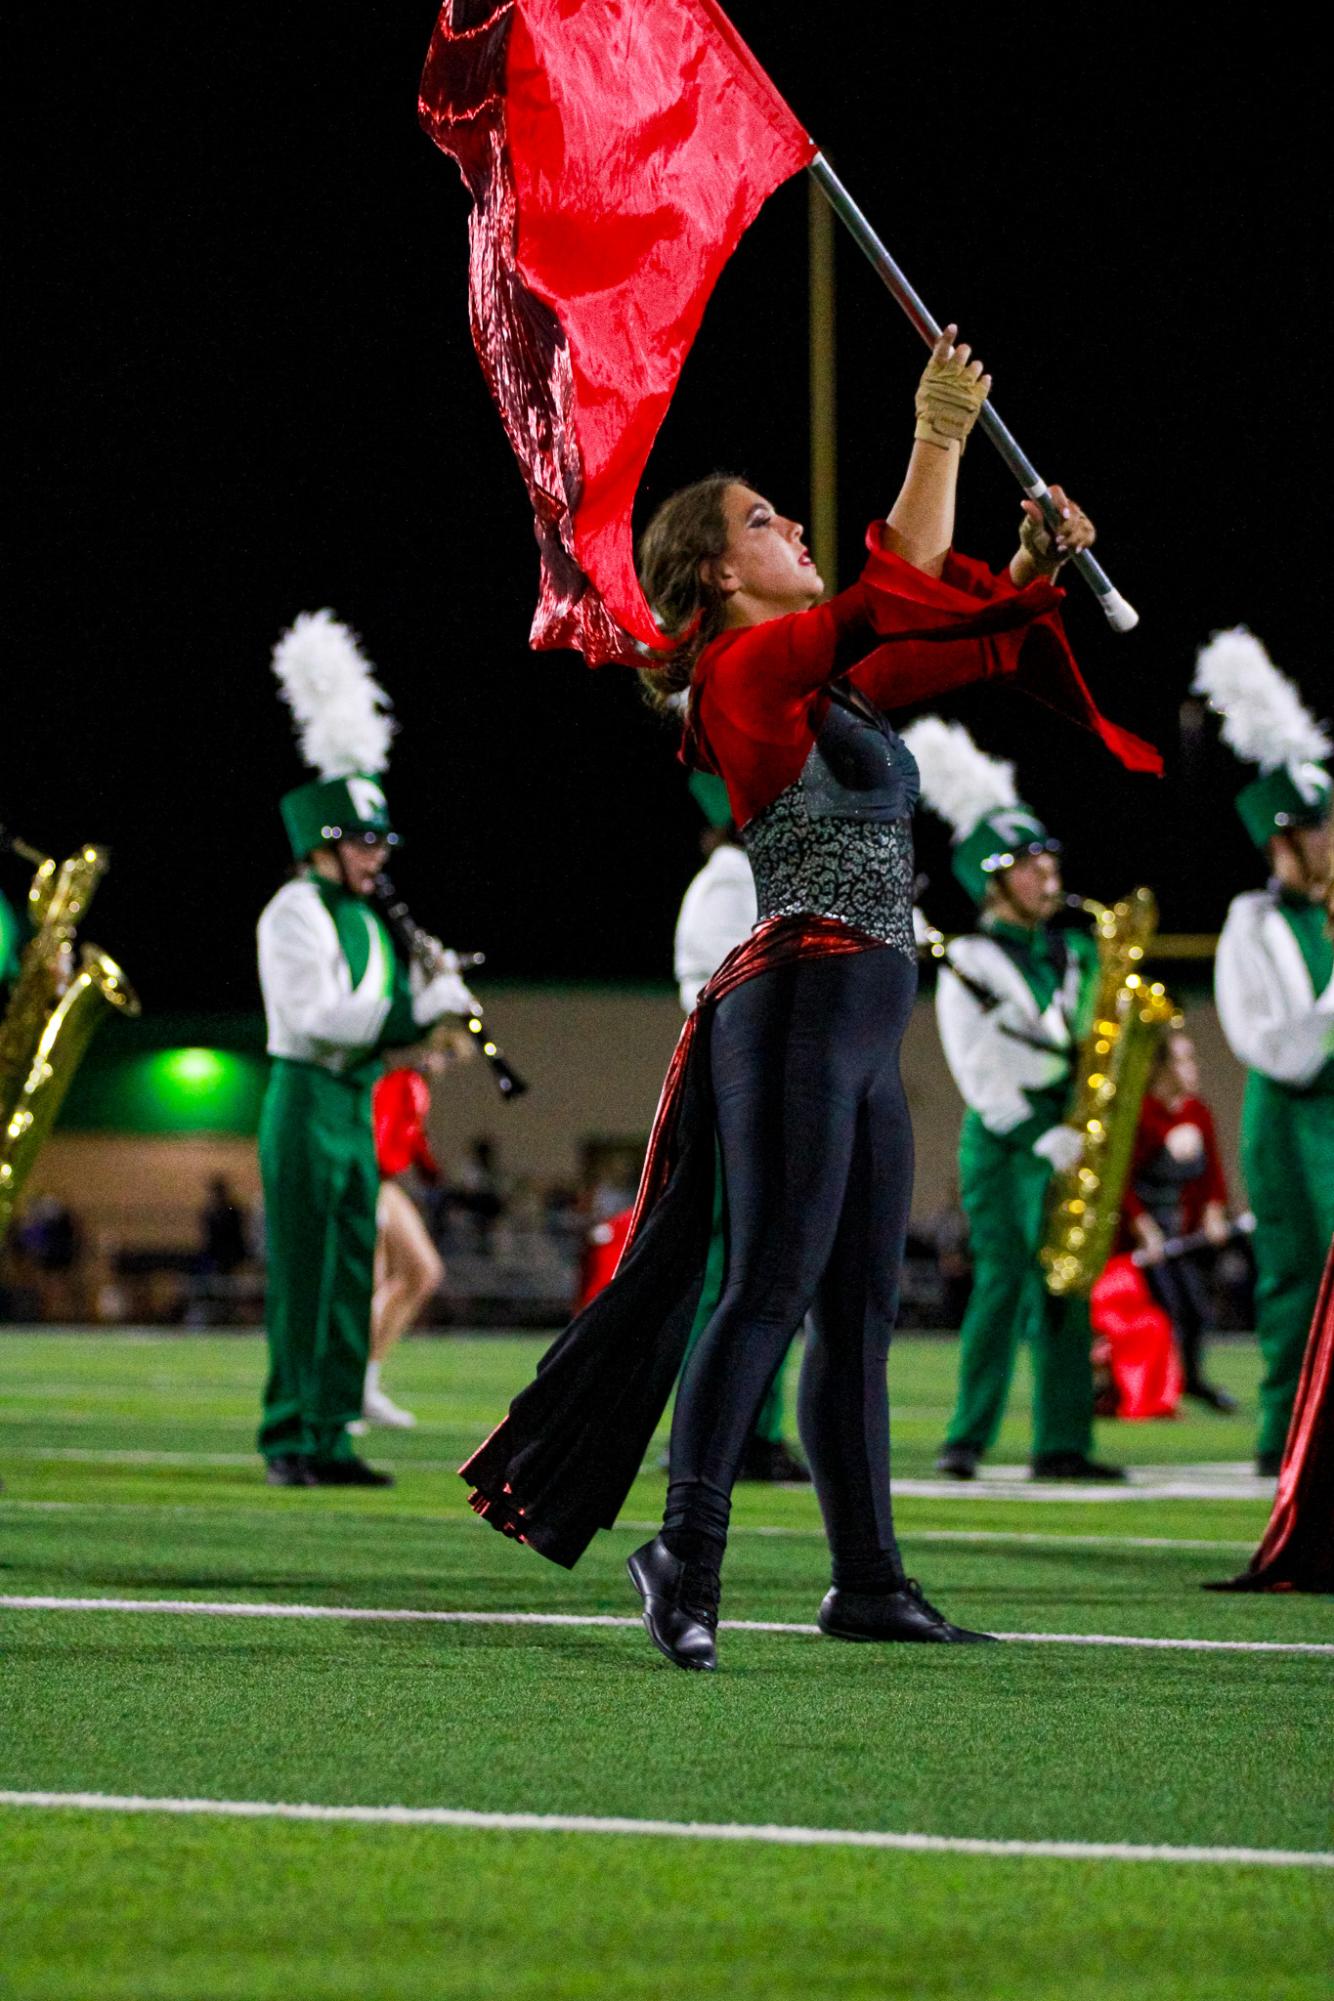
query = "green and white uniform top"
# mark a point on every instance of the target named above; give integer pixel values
(1274, 986)
(1013, 1061)
(335, 992)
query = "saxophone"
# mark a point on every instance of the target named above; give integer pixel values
(1112, 1068)
(53, 1011)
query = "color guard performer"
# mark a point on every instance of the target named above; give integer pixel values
(1274, 985)
(1176, 1188)
(336, 995)
(1010, 1002)
(408, 1268)
(786, 1076)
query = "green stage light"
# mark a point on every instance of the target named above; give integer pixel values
(194, 1070)
(193, 1090)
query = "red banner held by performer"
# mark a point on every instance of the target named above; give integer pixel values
(616, 152)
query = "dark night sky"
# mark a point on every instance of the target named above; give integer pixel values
(243, 385)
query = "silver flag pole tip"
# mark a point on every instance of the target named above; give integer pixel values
(1120, 615)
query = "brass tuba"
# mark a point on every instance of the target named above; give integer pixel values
(53, 1011)
(1112, 1069)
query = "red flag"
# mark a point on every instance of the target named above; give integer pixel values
(616, 151)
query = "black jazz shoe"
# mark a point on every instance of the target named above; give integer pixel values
(289, 1469)
(905, 1614)
(347, 1473)
(680, 1604)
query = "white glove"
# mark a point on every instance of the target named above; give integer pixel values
(1063, 1146)
(443, 994)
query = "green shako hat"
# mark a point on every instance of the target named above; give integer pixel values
(1296, 795)
(1266, 722)
(331, 807)
(975, 795)
(996, 843)
(710, 795)
(343, 724)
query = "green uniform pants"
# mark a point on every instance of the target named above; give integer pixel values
(1287, 1156)
(1003, 1188)
(317, 1160)
(768, 1427)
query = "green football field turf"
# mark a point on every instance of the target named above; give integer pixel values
(129, 1474)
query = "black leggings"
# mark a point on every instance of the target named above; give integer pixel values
(1179, 1288)
(817, 1166)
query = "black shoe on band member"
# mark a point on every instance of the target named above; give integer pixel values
(347, 1473)
(680, 1604)
(1268, 1465)
(959, 1461)
(1073, 1466)
(289, 1469)
(905, 1614)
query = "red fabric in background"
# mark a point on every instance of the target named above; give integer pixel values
(400, 1105)
(616, 151)
(1141, 1351)
(601, 1255)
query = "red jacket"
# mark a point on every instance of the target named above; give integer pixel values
(400, 1103)
(1209, 1185)
(759, 692)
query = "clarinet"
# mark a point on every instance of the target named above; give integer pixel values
(428, 953)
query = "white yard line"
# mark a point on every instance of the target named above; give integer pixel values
(699, 1830)
(377, 1614)
(464, 1516)
(1006, 1483)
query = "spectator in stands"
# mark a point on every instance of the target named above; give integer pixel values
(51, 1236)
(476, 1191)
(223, 1229)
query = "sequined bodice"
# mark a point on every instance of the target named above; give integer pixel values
(838, 843)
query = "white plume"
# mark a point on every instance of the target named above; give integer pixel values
(1265, 720)
(344, 718)
(959, 781)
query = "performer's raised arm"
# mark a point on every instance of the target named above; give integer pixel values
(953, 388)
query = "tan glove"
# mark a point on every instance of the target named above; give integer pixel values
(948, 400)
(1036, 539)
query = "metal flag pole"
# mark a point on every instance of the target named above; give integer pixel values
(1122, 617)
(824, 392)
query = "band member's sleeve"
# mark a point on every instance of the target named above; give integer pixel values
(1272, 1020)
(299, 961)
(717, 912)
(1006, 1082)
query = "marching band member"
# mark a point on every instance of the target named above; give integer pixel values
(718, 911)
(335, 995)
(1274, 985)
(1010, 1003)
